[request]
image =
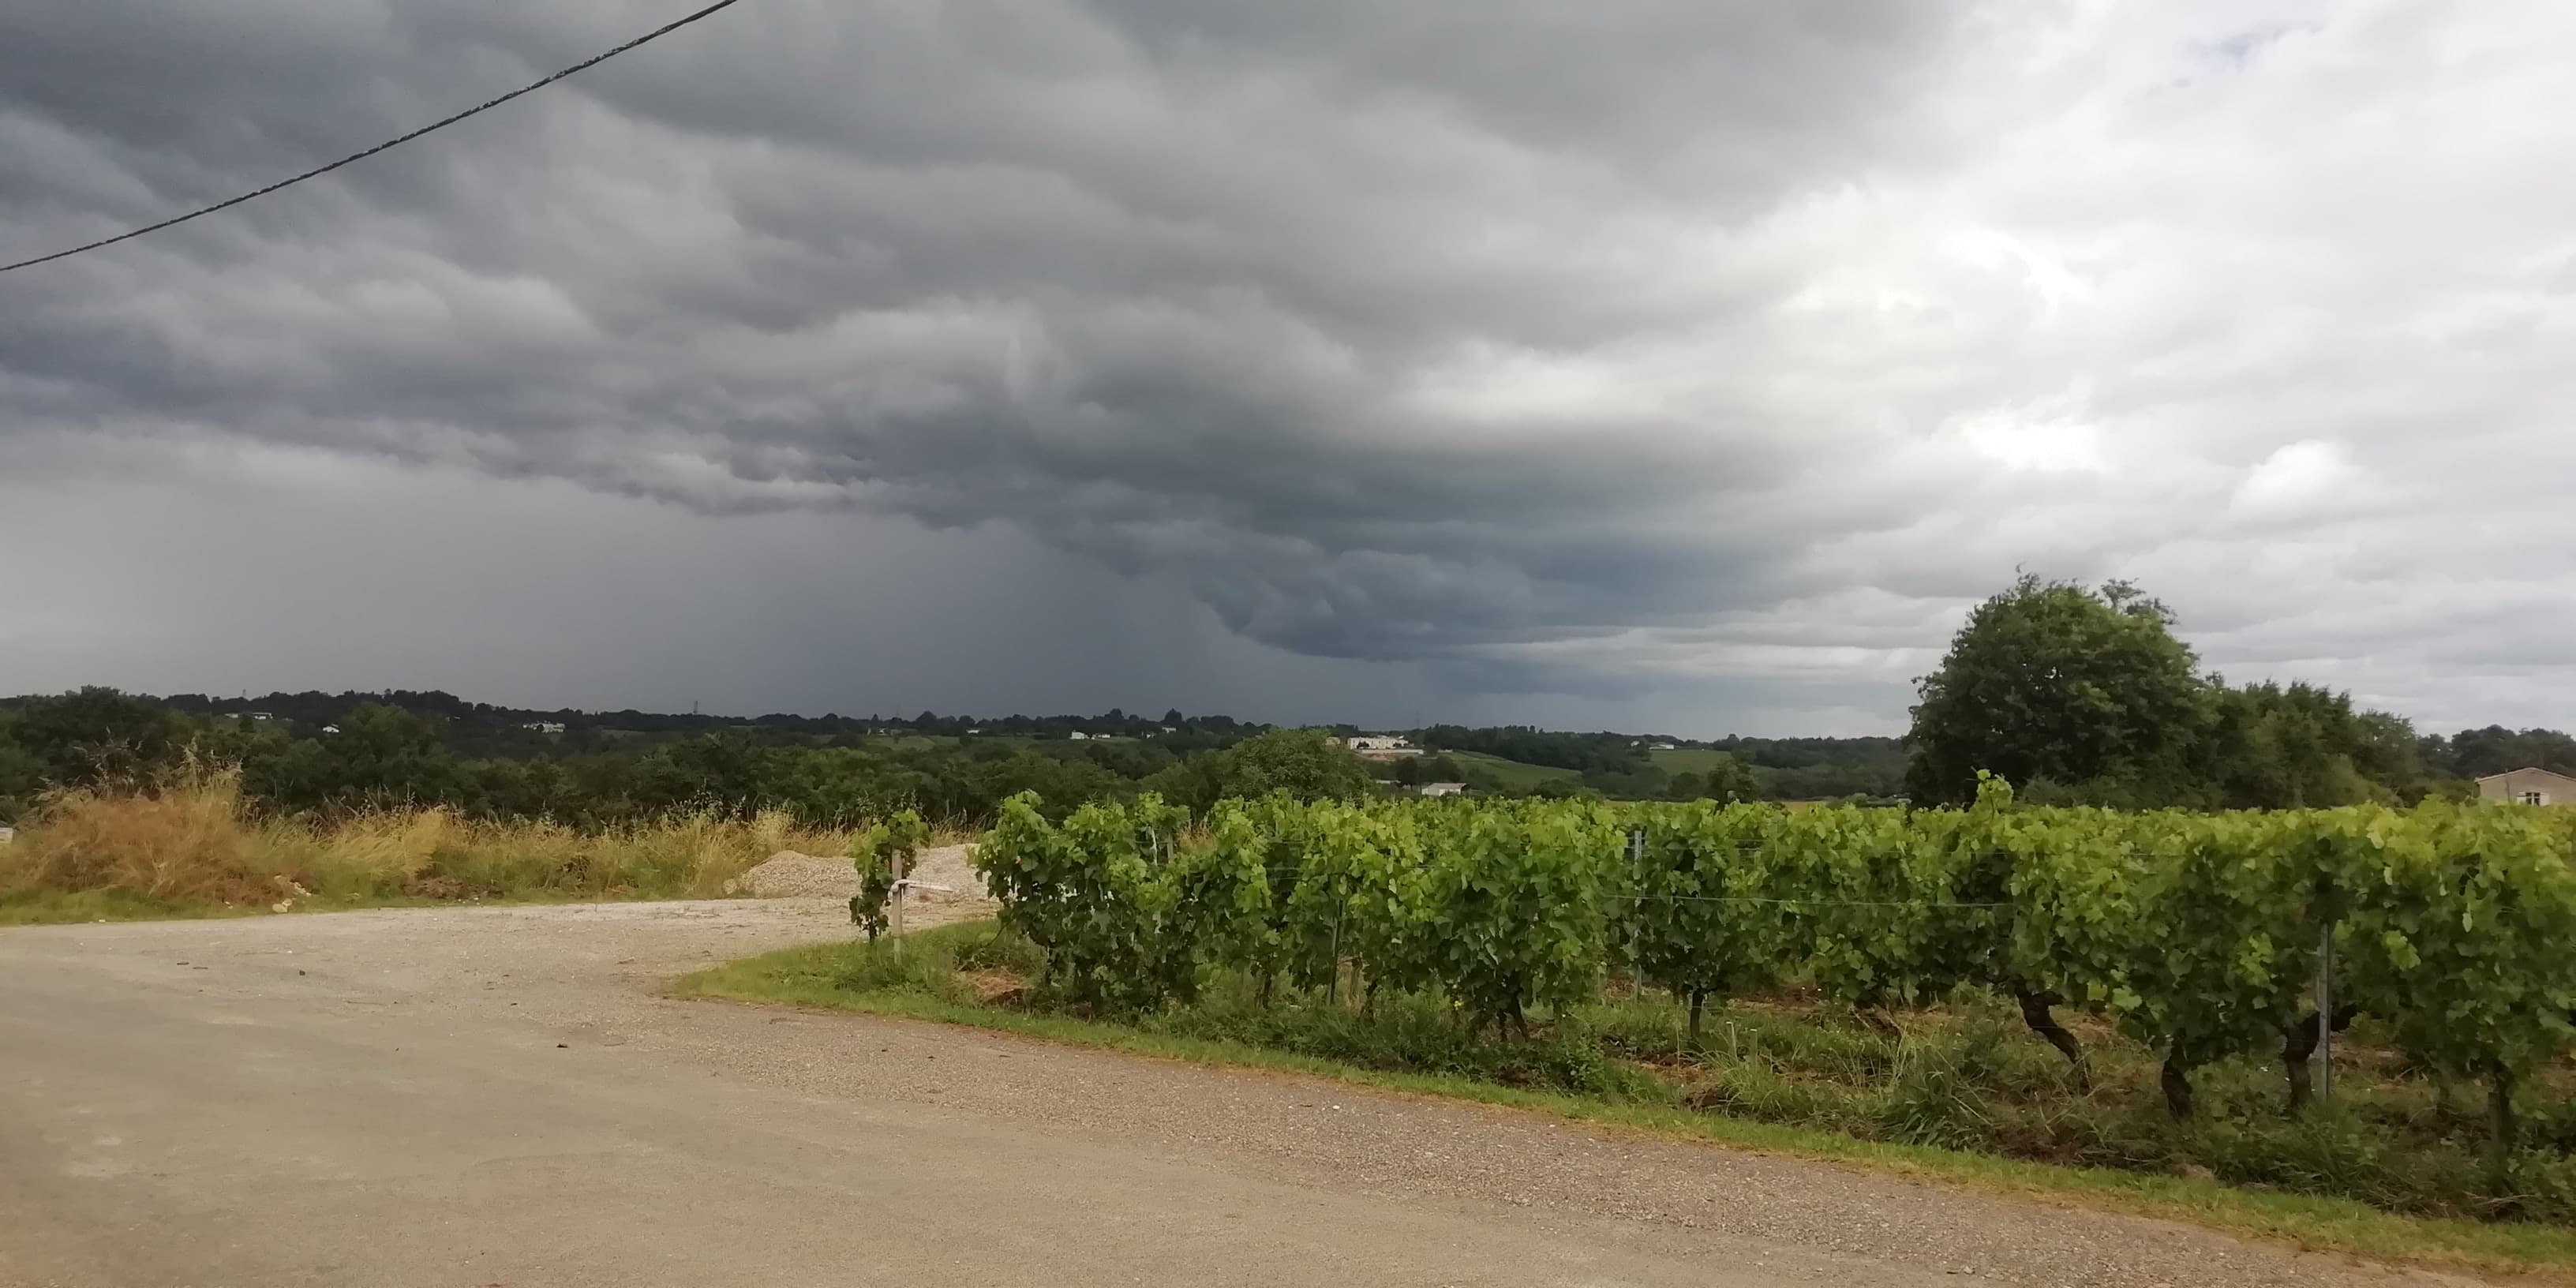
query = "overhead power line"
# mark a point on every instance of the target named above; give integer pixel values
(389, 144)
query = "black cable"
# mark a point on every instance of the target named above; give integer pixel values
(319, 171)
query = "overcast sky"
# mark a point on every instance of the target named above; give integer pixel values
(1652, 364)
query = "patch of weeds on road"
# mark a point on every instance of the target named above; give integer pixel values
(1931, 1099)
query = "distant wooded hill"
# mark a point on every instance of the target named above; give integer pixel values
(325, 750)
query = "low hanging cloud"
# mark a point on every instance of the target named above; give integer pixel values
(1557, 348)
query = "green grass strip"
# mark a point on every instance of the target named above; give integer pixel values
(56, 907)
(811, 976)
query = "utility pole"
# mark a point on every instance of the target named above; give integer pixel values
(2325, 1013)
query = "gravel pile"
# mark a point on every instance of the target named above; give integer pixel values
(947, 866)
(790, 875)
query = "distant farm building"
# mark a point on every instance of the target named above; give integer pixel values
(543, 726)
(1389, 748)
(2528, 786)
(1442, 789)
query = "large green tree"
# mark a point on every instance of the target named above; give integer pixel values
(2300, 746)
(2052, 681)
(381, 755)
(1724, 778)
(2084, 696)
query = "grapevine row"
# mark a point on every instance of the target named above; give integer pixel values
(2199, 934)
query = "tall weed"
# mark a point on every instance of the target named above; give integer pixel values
(185, 842)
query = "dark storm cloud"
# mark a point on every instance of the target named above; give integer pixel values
(1162, 286)
(1570, 347)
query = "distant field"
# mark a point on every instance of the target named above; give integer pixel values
(1511, 773)
(1686, 760)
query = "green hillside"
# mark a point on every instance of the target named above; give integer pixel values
(1687, 760)
(1511, 774)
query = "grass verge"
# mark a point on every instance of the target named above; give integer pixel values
(927, 985)
(56, 907)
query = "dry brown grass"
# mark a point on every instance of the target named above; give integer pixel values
(948, 831)
(193, 840)
(183, 844)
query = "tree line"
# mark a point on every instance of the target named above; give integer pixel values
(2075, 695)
(339, 755)
(314, 752)
(2084, 696)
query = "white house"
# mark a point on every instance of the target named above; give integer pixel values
(1079, 736)
(329, 729)
(1442, 789)
(543, 726)
(1387, 748)
(2530, 785)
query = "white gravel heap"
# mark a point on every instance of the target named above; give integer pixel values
(790, 875)
(947, 866)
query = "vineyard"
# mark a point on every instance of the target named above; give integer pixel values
(2209, 941)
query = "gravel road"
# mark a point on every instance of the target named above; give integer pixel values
(494, 1096)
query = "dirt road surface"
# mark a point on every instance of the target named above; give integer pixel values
(494, 1096)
